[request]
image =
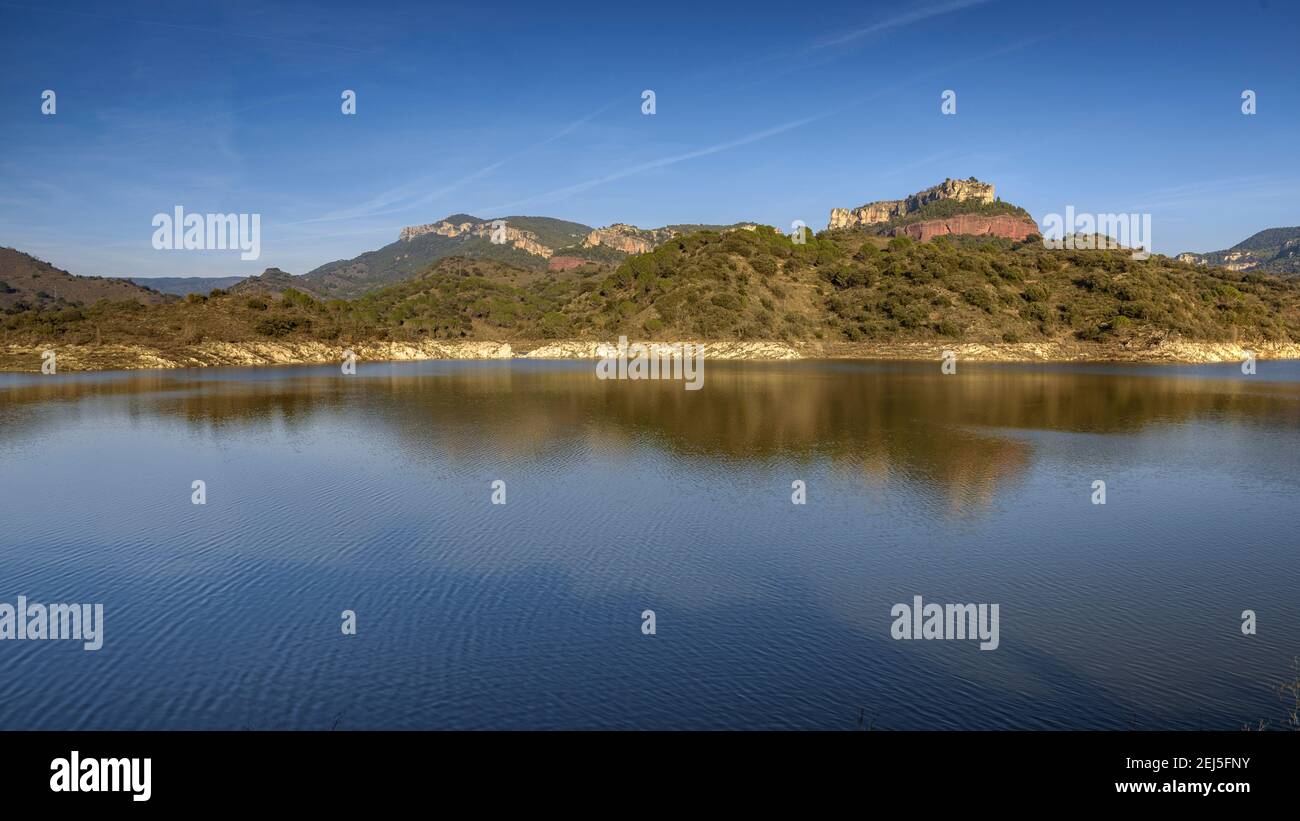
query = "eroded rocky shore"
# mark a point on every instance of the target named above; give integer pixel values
(251, 354)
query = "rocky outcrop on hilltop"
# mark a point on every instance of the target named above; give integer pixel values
(445, 228)
(1232, 260)
(1001, 225)
(628, 238)
(525, 241)
(873, 213)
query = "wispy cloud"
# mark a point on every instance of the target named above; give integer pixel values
(915, 15)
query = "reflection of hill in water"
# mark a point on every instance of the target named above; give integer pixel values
(881, 420)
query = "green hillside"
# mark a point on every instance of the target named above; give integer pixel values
(740, 285)
(401, 260)
(853, 286)
(1267, 240)
(346, 279)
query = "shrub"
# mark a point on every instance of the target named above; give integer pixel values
(1036, 293)
(980, 298)
(866, 251)
(763, 265)
(275, 326)
(555, 324)
(726, 300)
(295, 298)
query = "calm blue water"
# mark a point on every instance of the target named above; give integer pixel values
(372, 493)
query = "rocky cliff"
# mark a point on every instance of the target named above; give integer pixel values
(563, 263)
(629, 239)
(625, 238)
(525, 241)
(1001, 225)
(873, 213)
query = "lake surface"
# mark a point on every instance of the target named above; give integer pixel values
(372, 493)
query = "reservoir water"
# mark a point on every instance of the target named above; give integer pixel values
(374, 493)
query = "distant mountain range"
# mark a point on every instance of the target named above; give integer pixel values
(548, 244)
(183, 286)
(951, 264)
(844, 287)
(538, 243)
(1271, 251)
(546, 247)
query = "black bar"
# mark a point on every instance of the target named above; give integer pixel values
(328, 770)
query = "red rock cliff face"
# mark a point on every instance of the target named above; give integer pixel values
(1002, 225)
(564, 263)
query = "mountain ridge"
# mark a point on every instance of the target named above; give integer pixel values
(29, 282)
(836, 293)
(525, 241)
(1272, 251)
(184, 286)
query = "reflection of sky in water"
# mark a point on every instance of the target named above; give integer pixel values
(371, 493)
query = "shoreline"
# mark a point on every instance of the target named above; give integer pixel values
(85, 358)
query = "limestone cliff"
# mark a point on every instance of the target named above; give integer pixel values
(632, 240)
(628, 238)
(444, 228)
(523, 240)
(873, 213)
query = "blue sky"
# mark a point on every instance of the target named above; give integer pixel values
(766, 112)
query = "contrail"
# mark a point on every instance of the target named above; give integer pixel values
(914, 16)
(905, 19)
(393, 196)
(377, 206)
(570, 190)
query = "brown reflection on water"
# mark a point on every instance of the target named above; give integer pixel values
(879, 421)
